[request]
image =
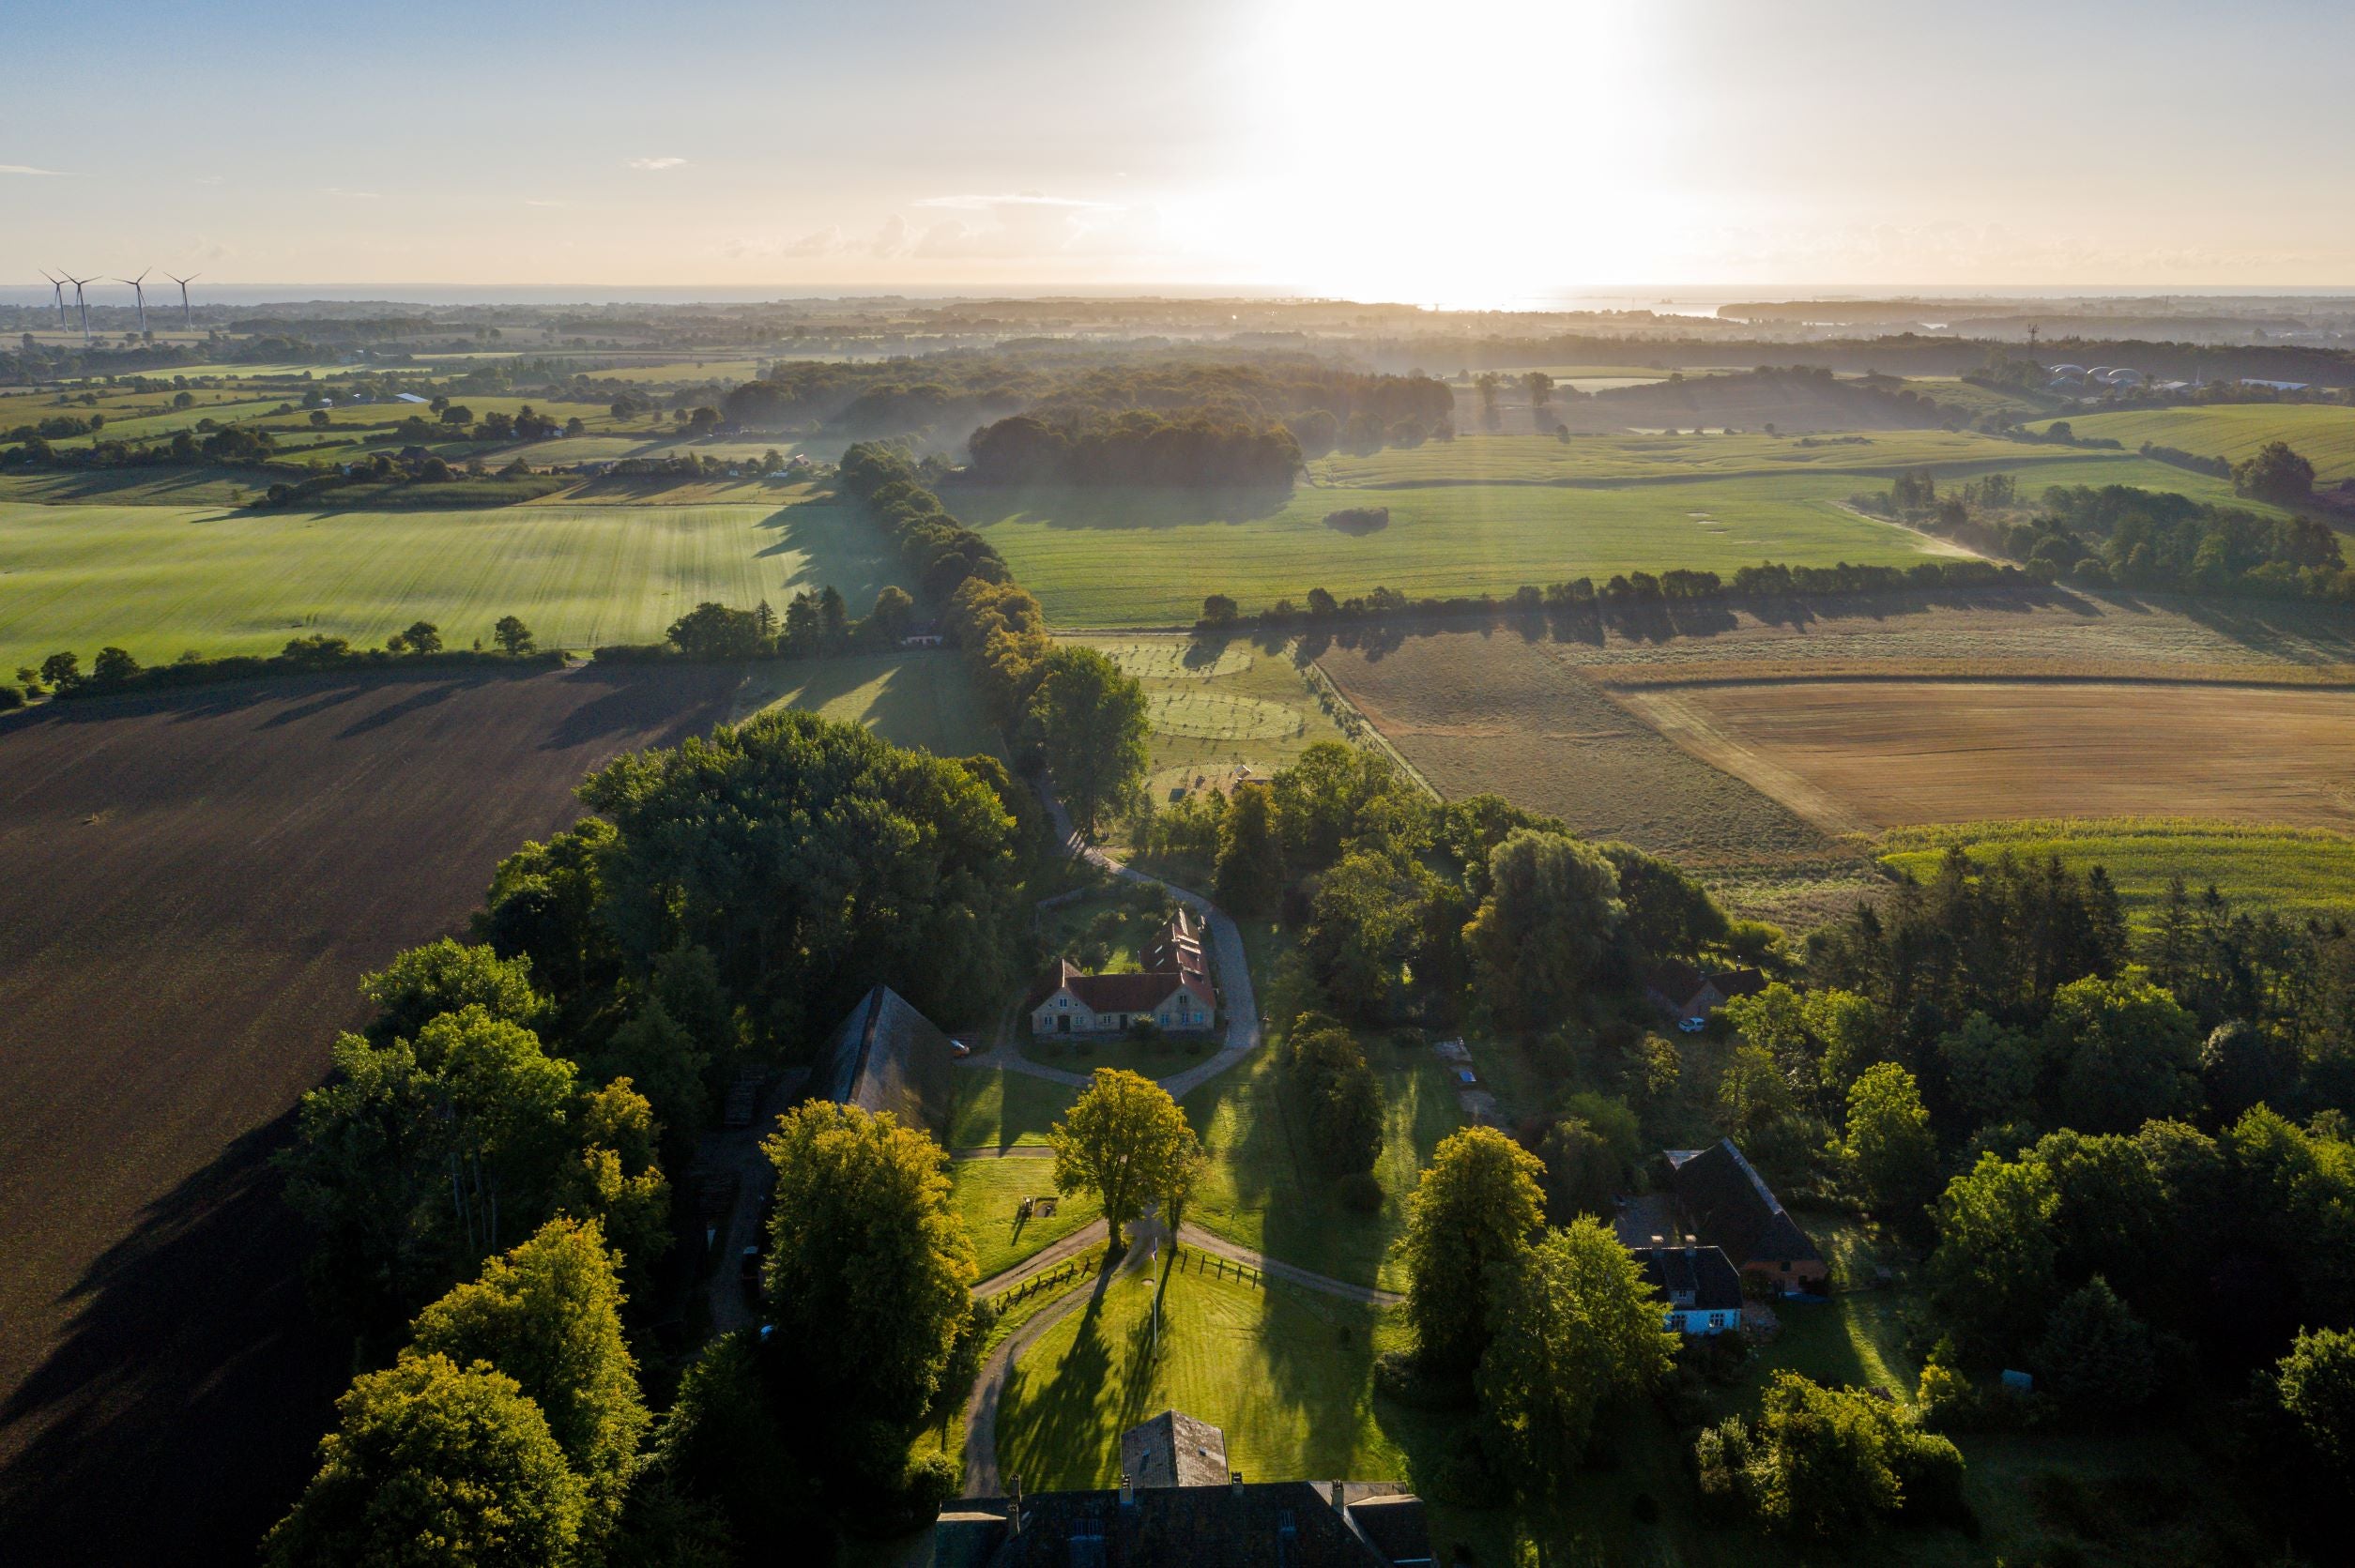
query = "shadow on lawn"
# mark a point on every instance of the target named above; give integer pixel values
(180, 1413)
(1050, 1422)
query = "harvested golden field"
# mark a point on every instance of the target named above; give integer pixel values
(1855, 756)
(1494, 712)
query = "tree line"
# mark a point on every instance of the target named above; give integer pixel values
(1134, 447)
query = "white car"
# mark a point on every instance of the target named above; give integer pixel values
(1691, 1025)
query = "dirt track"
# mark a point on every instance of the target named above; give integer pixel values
(190, 888)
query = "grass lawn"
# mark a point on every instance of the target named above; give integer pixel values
(997, 1109)
(1263, 1191)
(917, 698)
(157, 579)
(2324, 436)
(1127, 556)
(1285, 1375)
(2297, 870)
(987, 1195)
(1542, 459)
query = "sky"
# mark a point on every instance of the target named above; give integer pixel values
(1500, 153)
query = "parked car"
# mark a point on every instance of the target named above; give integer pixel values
(1692, 1025)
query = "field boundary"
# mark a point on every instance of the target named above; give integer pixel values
(1759, 673)
(1353, 723)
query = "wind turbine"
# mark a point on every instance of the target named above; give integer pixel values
(188, 318)
(59, 285)
(139, 292)
(83, 305)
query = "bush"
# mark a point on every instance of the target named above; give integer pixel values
(1360, 1193)
(1398, 1375)
(10, 698)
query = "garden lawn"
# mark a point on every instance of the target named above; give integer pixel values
(987, 1196)
(1287, 1375)
(1217, 708)
(1262, 1189)
(2294, 871)
(157, 579)
(997, 1109)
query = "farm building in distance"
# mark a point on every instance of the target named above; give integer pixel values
(1173, 992)
(1720, 1199)
(1689, 995)
(888, 1056)
(1703, 1288)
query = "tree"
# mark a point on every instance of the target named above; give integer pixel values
(1126, 1140)
(2131, 1054)
(2096, 1359)
(1891, 1153)
(1752, 1095)
(1091, 715)
(1476, 1210)
(1338, 1092)
(2245, 1064)
(1582, 1171)
(1540, 387)
(833, 618)
(1992, 1272)
(1250, 863)
(2276, 474)
(1219, 610)
(423, 983)
(421, 637)
(1990, 1070)
(869, 1267)
(657, 1054)
(1552, 908)
(432, 1463)
(2315, 1388)
(719, 1446)
(548, 1315)
(1571, 1328)
(1824, 1461)
(714, 632)
(61, 672)
(112, 665)
(513, 636)
(890, 618)
(1362, 921)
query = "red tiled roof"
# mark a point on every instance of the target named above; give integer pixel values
(1131, 993)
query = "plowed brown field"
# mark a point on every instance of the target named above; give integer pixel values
(190, 886)
(1856, 754)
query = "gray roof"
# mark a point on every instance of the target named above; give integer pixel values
(888, 1056)
(1733, 1208)
(1693, 1278)
(1276, 1524)
(1174, 1450)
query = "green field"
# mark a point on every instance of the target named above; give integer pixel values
(159, 579)
(1541, 459)
(2325, 436)
(2297, 870)
(1217, 710)
(1138, 557)
(1285, 1375)
(923, 698)
(1262, 1189)
(987, 1196)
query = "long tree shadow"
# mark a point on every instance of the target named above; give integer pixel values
(1051, 1419)
(180, 1413)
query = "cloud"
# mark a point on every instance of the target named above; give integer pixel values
(892, 240)
(28, 169)
(1020, 199)
(655, 165)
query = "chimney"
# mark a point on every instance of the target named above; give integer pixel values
(1014, 1514)
(1128, 1491)
(1235, 1481)
(1338, 1506)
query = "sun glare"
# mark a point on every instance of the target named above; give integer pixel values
(1473, 158)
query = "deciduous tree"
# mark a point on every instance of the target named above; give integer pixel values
(1125, 1140)
(1552, 908)
(1476, 1209)
(1091, 715)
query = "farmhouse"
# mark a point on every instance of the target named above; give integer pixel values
(1178, 1503)
(888, 1056)
(1726, 1203)
(1173, 991)
(1686, 993)
(1704, 1289)
(1070, 1003)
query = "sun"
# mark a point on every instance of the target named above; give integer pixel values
(1460, 158)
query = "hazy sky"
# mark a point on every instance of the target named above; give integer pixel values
(1490, 152)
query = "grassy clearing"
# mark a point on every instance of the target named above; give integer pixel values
(2297, 870)
(1288, 1377)
(918, 698)
(1138, 557)
(159, 579)
(987, 1195)
(1218, 708)
(1263, 1190)
(997, 1109)
(2325, 436)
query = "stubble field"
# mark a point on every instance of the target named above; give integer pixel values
(196, 884)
